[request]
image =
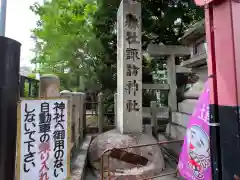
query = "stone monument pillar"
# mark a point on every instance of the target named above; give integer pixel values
(129, 67)
(49, 86)
(129, 106)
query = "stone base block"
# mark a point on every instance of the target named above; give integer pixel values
(176, 131)
(180, 119)
(187, 106)
(147, 129)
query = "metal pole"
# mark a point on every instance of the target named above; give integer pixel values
(214, 113)
(100, 113)
(9, 95)
(3, 10)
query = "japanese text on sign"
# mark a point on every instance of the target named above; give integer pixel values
(43, 140)
(133, 56)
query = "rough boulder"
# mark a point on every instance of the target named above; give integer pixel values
(119, 168)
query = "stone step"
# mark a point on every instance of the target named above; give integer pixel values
(180, 119)
(160, 121)
(175, 131)
(80, 161)
(162, 112)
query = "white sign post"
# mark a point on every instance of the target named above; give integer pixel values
(43, 140)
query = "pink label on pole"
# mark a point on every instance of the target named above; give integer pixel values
(194, 161)
(203, 2)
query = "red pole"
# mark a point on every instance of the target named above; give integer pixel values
(223, 39)
(214, 119)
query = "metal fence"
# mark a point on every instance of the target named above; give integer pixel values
(122, 154)
(28, 87)
(98, 117)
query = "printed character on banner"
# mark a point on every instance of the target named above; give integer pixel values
(198, 151)
(29, 123)
(59, 138)
(204, 113)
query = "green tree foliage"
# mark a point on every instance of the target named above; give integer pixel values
(163, 21)
(65, 43)
(34, 88)
(77, 38)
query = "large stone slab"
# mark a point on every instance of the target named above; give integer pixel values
(197, 88)
(195, 91)
(176, 131)
(180, 119)
(162, 112)
(183, 70)
(187, 106)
